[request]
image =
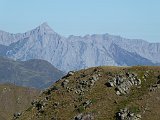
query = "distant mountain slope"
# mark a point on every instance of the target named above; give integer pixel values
(125, 58)
(15, 99)
(3, 50)
(33, 73)
(100, 93)
(76, 52)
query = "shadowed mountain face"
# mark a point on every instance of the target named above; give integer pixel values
(15, 99)
(125, 58)
(33, 73)
(100, 93)
(76, 52)
(3, 50)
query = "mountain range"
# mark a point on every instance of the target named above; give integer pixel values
(78, 52)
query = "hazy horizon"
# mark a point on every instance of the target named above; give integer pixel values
(129, 19)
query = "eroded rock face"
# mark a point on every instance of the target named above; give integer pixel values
(123, 83)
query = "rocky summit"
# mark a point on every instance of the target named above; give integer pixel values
(100, 93)
(78, 52)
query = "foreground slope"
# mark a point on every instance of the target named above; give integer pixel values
(14, 99)
(32, 73)
(100, 93)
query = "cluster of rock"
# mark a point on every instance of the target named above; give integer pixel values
(64, 83)
(84, 117)
(82, 85)
(87, 103)
(125, 114)
(154, 87)
(17, 115)
(123, 83)
(6, 90)
(70, 73)
(40, 104)
(83, 106)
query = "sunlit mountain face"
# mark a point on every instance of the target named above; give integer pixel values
(78, 52)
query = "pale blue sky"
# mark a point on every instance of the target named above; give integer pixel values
(128, 18)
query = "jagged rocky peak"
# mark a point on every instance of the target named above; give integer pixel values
(7, 38)
(44, 28)
(76, 52)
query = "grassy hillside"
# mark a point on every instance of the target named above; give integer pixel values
(101, 93)
(14, 99)
(33, 73)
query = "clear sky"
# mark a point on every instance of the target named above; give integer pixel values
(128, 18)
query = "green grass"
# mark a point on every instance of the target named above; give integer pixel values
(134, 109)
(103, 105)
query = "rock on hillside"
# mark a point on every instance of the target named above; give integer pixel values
(15, 99)
(78, 52)
(32, 73)
(100, 93)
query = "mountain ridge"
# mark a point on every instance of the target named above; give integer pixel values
(76, 52)
(33, 73)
